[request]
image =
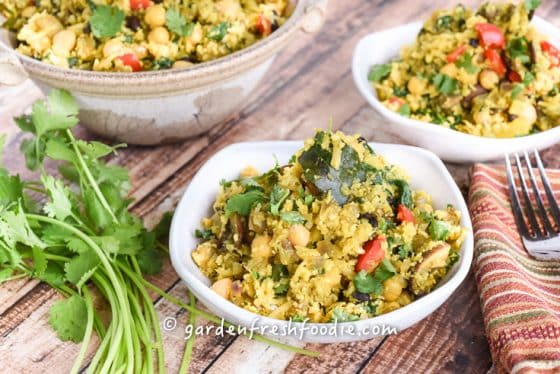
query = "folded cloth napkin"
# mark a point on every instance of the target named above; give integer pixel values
(520, 296)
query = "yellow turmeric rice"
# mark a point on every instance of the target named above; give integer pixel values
(337, 233)
(486, 73)
(136, 35)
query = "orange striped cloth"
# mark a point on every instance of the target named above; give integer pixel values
(520, 296)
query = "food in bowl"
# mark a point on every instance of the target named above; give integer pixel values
(486, 73)
(136, 35)
(335, 234)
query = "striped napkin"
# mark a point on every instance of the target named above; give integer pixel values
(520, 296)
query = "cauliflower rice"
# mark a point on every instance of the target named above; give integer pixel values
(135, 35)
(335, 234)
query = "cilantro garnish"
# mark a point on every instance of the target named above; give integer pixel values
(404, 110)
(518, 48)
(445, 84)
(243, 203)
(379, 72)
(367, 283)
(106, 21)
(438, 230)
(219, 32)
(177, 23)
(465, 62)
(340, 315)
(532, 4)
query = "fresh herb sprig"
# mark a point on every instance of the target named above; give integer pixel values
(83, 235)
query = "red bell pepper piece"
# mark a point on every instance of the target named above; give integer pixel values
(373, 254)
(514, 77)
(495, 61)
(552, 52)
(264, 25)
(454, 56)
(139, 4)
(404, 214)
(490, 36)
(131, 60)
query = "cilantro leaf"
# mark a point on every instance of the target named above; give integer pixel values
(532, 4)
(404, 110)
(379, 72)
(60, 204)
(14, 228)
(80, 267)
(39, 261)
(279, 271)
(150, 261)
(277, 198)
(405, 193)
(518, 48)
(292, 217)
(69, 318)
(367, 283)
(281, 289)
(438, 230)
(58, 112)
(341, 315)
(177, 23)
(203, 234)
(243, 203)
(106, 21)
(445, 84)
(219, 32)
(11, 189)
(465, 62)
(404, 251)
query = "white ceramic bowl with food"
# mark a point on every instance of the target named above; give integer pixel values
(163, 106)
(427, 173)
(384, 46)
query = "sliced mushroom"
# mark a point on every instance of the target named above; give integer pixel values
(434, 258)
(467, 100)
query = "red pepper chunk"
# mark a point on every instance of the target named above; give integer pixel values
(495, 62)
(552, 52)
(139, 4)
(373, 254)
(131, 60)
(264, 25)
(454, 56)
(490, 36)
(404, 214)
(514, 77)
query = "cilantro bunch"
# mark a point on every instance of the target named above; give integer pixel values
(82, 236)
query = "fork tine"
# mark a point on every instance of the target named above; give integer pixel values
(543, 214)
(554, 210)
(528, 204)
(515, 204)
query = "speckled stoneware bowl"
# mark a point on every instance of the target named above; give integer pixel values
(163, 106)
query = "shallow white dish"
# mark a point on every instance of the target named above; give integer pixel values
(427, 172)
(450, 145)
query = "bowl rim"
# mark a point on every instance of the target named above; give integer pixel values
(164, 81)
(364, 86)
(242, 315)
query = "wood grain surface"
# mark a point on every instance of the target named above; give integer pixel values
(309, 83)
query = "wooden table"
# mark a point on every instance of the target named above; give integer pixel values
(310, 82)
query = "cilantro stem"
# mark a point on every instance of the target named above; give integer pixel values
(190, 342)
(116, 283)
(90, 178)
(87, 335)
(216, 320)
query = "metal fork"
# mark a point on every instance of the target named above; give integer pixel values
(541, 237)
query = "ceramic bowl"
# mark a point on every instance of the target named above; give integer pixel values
(450, 145)
(427, 173)
(163, 106)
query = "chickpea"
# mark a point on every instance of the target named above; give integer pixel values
(159, 35)
(113, 47)
(449, 69)
(405, 298)
(488, 79)
(223, 287)
(260, 246)
(48, 24)
(63, 42)
(392, 288)
(524, 110)
(42, 44)
(155, 16)
(298, 235)
(416, 86)
(28, 12)
(247, 172)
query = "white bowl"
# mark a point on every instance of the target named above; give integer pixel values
(450, 145)
(427, 172)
